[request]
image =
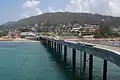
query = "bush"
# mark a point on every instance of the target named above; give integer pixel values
(22, 36)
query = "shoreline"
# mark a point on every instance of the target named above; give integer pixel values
(18, 40)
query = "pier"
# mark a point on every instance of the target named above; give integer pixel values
(101, 51)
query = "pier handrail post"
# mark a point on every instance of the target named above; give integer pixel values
(105, 70)
(90, 66)
(55, 46)
(74, 61)
(59, 49)
(48, 44)
(52, 44)
(65, 53)
(84, 64)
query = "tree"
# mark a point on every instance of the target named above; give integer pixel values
(22, 36)
(3, 32)
(74, 22)
(104, 30)
(48, 23)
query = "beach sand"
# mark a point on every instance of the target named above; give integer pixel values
(17, 40)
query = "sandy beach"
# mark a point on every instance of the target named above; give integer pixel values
(16, 40)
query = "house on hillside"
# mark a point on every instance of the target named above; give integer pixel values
(89, 29)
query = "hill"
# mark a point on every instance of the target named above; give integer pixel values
(8, 24)
(66, 17)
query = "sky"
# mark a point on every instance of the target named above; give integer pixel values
(13, 10)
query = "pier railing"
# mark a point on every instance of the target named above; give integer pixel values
(103, 41)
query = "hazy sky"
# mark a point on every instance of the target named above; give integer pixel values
(11, 10)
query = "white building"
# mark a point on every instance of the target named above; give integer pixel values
(77, 29)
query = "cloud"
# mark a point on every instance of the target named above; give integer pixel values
(77, 6)
(88, 6)
(31, 8)
(114, 4)
(101, 6)
(91, 6)
(106, 7)
(31, 3)
(51, 9)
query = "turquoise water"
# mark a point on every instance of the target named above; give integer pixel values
(27, 61)
(32, 61)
